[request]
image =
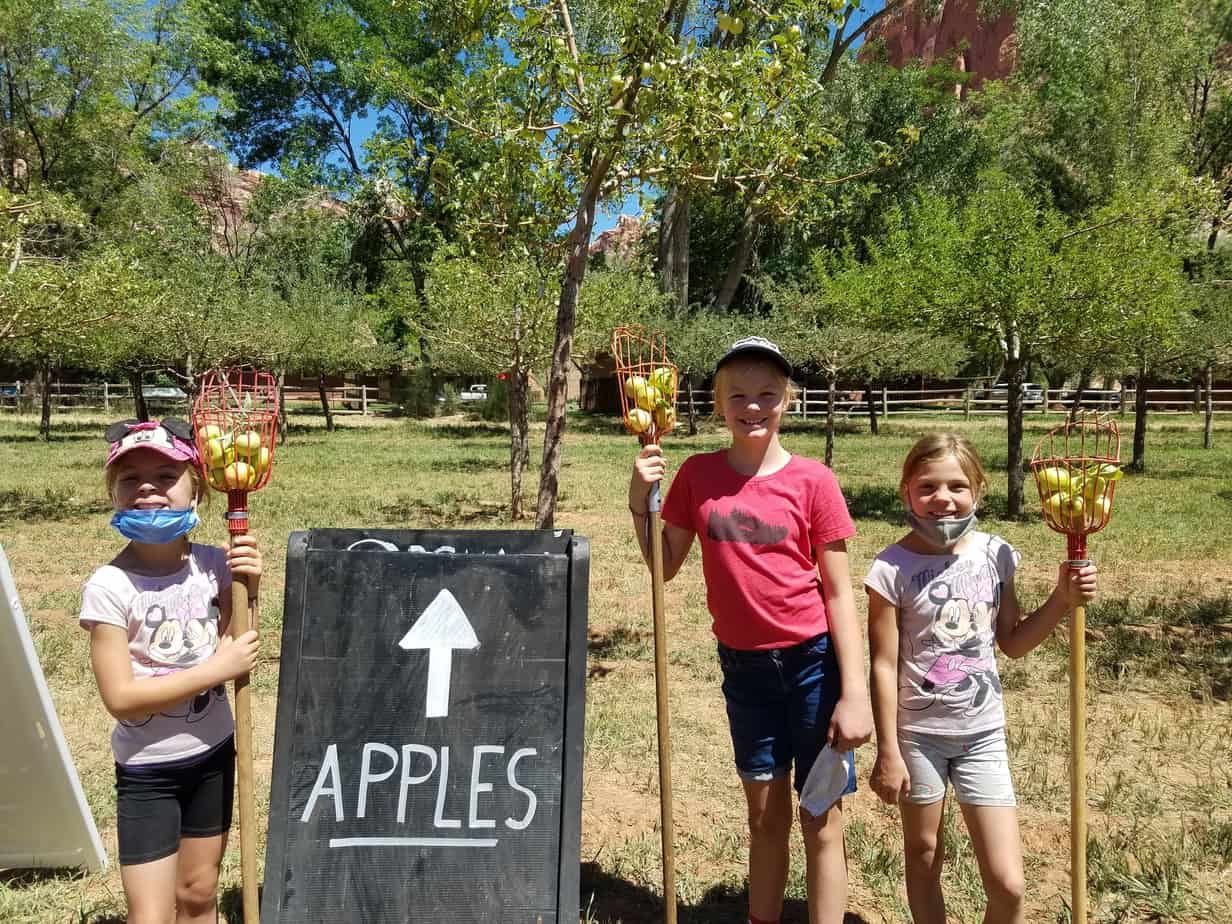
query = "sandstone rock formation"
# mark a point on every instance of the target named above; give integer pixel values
(984, 47)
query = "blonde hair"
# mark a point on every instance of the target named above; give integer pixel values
(111, 474)
(722, 375)
(933, 447)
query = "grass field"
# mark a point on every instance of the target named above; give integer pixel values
(1160, 659)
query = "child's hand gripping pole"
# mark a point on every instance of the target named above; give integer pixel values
(647, 383)
(1076, 468)
(234, 418)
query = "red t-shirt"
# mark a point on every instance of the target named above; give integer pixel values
(757, 536)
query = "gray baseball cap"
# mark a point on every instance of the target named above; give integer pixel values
(755, 347)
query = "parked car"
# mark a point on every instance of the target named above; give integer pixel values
(473, 393)
(1032, 393)
(162, 393)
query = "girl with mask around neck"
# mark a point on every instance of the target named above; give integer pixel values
(939, 602)
(157, 616)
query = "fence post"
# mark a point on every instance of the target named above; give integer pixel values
(363, 399)
(1121, 402)
(967, 403)
(106, 399)
(885, 403)
(804, 401)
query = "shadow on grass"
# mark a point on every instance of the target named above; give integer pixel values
(586, 422)
(24, 878)
(467, 431)
(51, 505)
(470, 466)
(445, 509)
(66, 434)
(1188, 639)
(620, 644)
(607, 899)
(876, 504)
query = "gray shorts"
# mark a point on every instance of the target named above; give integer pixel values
(978, 765)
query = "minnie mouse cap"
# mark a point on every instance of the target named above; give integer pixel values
(171, 438)
(755, 348)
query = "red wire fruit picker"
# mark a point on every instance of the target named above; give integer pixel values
(647, 382)
(1077, 466)
(235, 419)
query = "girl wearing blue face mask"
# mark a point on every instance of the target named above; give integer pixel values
(939, 601)
(157, 616)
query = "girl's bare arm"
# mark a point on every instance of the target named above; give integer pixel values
(127, 697)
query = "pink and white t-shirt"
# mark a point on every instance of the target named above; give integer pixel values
(947, 626)
(758, 535)
(172, 624)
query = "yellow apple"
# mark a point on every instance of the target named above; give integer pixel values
(215, 453)
(261, 461)
(248, 443)
(239, 475)
(664, 417)
(1063, 506)
(1053, 480)
(210, 432)
(649, 398)
(638, 420)
(217, 479)
(634, 386)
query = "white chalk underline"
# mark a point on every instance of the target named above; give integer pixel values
(412, 842)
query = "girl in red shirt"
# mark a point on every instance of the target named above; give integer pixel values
(773, 530)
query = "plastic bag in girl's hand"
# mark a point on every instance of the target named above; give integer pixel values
(827, 780)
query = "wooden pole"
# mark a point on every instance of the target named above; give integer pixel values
(1078, 746)
(241, 623)
(667, 829)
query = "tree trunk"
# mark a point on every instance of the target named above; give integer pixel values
(329, 415)
(673, 254)
(1208, 421)
(872, 408)
(577, 258)
(1209, 405)
(1075, 405)
(1138, 462)
(830, 380)
(136, 383)
(740, 259)
(519, 436)
(282, 406)
(566, 315)
(688, 385)
(45, 416)
(1013, 376)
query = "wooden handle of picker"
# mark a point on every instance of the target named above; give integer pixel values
(241, 623)
(667, 828)
(1078, 766)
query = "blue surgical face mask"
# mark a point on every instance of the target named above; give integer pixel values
(943, 533)
(155, 527)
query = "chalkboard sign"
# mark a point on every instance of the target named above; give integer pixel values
(428, 748)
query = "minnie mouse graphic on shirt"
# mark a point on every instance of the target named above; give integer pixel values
(182, 631)
(963, 673)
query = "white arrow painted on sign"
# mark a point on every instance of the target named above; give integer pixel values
(442, 628)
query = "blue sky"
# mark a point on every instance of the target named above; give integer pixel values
(608, 215)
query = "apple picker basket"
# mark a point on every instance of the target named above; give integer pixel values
(647, 381)
(1076, 467)
(235, 417)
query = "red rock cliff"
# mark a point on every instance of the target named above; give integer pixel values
(986, 47)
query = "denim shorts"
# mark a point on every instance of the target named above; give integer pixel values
(779, 704)
(978, 765)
